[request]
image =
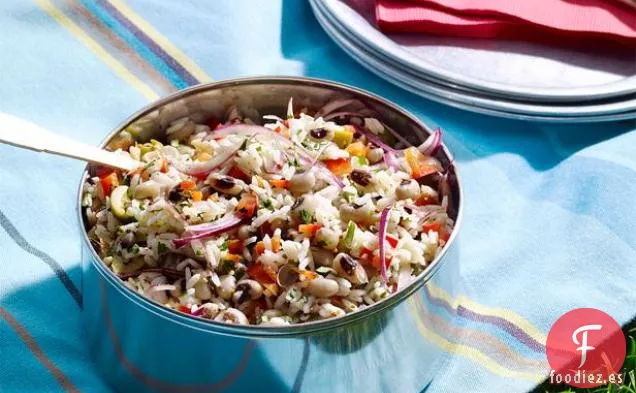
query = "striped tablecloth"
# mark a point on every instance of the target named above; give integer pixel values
(549, 222)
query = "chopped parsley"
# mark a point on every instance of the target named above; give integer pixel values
(259, 148)
(362, 160)
(226, 266)
(239, 273)
(321, 243)
(162, 248)
(243, 145)
(349, 196)
(225, 245)
(305, 217)
(267, 204)
(135, 249)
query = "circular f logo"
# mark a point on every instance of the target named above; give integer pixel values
(585, 347)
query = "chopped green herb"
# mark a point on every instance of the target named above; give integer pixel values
(349, 196)
(225, 245)
(362, 160)
(243, 145)
(259, 148)
(148, 165)
(226, 266)
(321, 243)
(292, 295)
(135, 249)
(162, 248)
(239, 273)
(267, 204)
(305, 217)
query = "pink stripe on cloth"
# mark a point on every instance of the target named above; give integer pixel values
(526, 19)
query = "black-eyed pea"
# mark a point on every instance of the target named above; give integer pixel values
(323, 287)
(301, 183)
(232, 315)
(227, 287)
(349, 268)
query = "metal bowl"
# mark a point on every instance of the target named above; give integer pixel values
(140, 345)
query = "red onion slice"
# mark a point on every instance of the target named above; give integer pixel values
(432, 143)
(333, 105)
(165, 271)
(384, 221)
(220, 226)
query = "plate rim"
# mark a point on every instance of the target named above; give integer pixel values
(403, 56)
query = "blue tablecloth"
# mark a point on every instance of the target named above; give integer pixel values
(549, 210)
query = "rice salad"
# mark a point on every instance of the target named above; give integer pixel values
(302, 219)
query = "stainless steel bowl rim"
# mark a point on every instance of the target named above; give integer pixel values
(257, 331)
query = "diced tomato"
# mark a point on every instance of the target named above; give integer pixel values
(437, 227)
(109, 182)
(213, 123)
(279, 183)
(309, 230)
(185, 309)
(376, 261)
(103, 171)
(336, 300)
(431, 226)
(247, 206)
(201, 176)
(196, 195)
(237, 173)
(187, 185)
(259, 249)
(366, 254)
(339, 166)
(276, 244)
(420, 164)
(232, 258)
(235, 246)
(266, 229)
(392, 241)
(164, 166)
(425, 199)
(262, 273)
(357, 149)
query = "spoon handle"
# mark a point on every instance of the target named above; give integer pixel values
(21, 133)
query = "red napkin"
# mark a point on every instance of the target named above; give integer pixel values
(542, 20)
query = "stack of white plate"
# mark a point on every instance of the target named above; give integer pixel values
(504, 78)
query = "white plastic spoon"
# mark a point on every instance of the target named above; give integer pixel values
(22, 133)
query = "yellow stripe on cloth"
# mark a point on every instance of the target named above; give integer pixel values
(162, 41)
(96, 48)
(466, 351)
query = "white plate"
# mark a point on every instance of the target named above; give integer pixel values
(443, 93)
(527, 71)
